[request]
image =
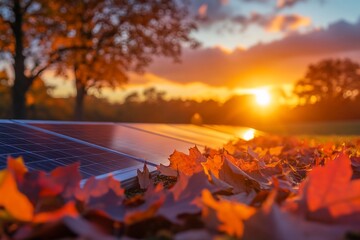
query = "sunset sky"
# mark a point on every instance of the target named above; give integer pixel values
(251, 44)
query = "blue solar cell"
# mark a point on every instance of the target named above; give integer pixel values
(46, 151)
(7, 149)
(32, 147)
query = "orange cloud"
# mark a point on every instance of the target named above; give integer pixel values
(287, 23)
(279, 62)
(202, 11)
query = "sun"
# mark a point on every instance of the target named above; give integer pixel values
(262, 97)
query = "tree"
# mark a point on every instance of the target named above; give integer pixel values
(329, 80)
(27, 28)
(113, 37)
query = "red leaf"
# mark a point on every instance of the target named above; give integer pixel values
(329, 192)
(68, 177)
(182, 197)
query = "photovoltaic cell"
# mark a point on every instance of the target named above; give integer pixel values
(44, 151)
(150, 147)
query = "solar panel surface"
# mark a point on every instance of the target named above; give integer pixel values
(153, 148)
(44, 151)
(103, 148)
(190, 133)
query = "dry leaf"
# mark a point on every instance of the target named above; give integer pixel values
(144, 177)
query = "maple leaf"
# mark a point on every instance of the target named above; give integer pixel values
(187, 164)
(329, 193)
(272, 222)
(94, 188)
(181, 199)
(62, 181)
(144, 177)
(154, 199)
(104, 194)
(68, 210)
(12, 200)
(68, 177)
(225, 216)
(17, 167)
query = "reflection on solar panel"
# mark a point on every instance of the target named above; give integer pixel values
(190, 133)
(141, 144)
(43, 151)
(102, 148)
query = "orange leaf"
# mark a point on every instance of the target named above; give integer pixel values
(15, 202)
(187, 164)
(17, 167)
(228, 216)
(68, 210)
(331, 189)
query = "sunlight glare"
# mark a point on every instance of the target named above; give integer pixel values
(263, 97)
(248, 135)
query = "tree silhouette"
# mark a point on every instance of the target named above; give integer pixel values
(27, 28)
(329, 80)
(111, 37)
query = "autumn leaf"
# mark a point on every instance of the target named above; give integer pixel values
(227, 216)
(144, 177)
(68, 210)
(154, 199)
(105, 195)
(17, 167)
(181, 199)
(187, 164)
(68, 177)
(272, 222)
(329, 192)
(94, 188)
(12, 200)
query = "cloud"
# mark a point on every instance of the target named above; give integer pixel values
(287, 3)
(272, 23)
(286, 23)
(210, 12)
(278, 62)
(213, 12)
(202, 11)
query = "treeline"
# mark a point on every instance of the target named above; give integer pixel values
(150, 106)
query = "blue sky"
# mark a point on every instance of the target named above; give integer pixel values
(321, 12)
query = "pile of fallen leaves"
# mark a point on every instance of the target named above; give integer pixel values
(267, 188)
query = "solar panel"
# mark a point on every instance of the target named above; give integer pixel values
(44, 151)
(103, 148)
(150, 147)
